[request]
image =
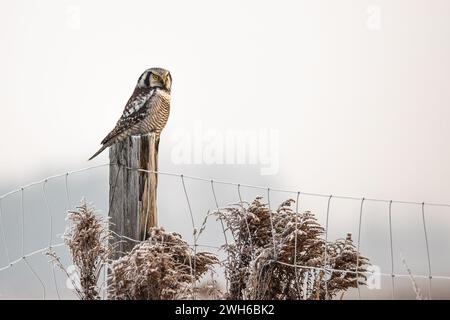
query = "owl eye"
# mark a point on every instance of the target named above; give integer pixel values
(154, 77)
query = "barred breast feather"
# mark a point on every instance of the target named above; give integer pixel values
(147, 111)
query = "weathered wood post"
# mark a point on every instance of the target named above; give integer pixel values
(132, 189)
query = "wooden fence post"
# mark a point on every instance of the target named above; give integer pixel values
(132, 193)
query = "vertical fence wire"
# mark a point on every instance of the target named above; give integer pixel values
(224, 231)
(428, 250)
(5, 247)
(246, 220)
(295, 244)
(22, 211)
(325, 257)
(239, 192)
(50, 216)
(359, 244)
(47, 206)
(218, 209)
(272, 228)
(36, 276)
(392, 251)
(194, 233)
(67, 191)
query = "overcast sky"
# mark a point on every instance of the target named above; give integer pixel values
(349, 97)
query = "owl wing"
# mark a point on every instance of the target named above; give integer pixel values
(135, 111)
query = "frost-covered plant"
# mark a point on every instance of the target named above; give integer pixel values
(87, 237)
(162, 267)
(277, 254)
(269, 243)
(416, 288)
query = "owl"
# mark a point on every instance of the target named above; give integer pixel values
(147, 110)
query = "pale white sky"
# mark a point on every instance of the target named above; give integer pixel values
(358, 91)
(359, 110)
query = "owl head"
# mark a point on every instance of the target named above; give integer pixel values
(155, 78)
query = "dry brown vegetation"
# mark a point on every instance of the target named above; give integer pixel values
(162, 267)
(87, 237)
(259, 265)
(260, 261)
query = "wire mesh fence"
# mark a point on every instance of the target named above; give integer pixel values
(185, 202)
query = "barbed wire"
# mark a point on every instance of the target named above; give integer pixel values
(195, 244)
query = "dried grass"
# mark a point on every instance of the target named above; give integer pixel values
(416, 288)
(159, 268)
(87, 238)
(260, 261)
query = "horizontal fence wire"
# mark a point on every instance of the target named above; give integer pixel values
(42, 250)
(24, 256)
(236, 184)
(265, 188)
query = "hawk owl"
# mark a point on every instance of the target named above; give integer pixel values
(147, 110)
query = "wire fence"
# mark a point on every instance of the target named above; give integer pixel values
(52, 243)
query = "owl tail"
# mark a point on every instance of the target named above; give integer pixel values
(98, 152)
